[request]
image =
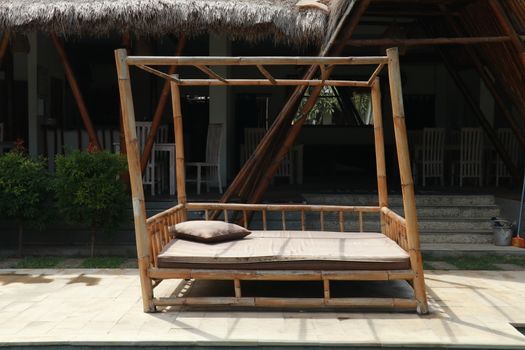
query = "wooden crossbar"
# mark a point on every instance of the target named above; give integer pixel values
(252, 60)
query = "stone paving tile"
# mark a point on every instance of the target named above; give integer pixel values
(510, 267)
(441, 265)
(75, 306)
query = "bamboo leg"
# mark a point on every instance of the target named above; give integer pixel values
(179, 144)
(84, 114)
(407, 185)
(137, 191)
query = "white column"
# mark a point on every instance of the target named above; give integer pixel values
(32, 95)
(219, 107)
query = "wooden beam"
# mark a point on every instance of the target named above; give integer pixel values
(252, 60)
(135, 175)
(506, 25)
(407, 183)
(265, 73)
(4, 44)
(70, 75)
(161, 107)
(429, 41)
(265, 82)
(211, 73)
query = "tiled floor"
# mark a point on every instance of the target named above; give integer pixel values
(469, 309)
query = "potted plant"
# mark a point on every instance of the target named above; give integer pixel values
(89, 190)
(25, 191)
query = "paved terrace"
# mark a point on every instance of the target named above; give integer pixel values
(102, 307)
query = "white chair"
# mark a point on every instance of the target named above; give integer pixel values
(212, 162)
(510, 144)
(432, 154)
(252, 138)
(152, 173)
(471, 155)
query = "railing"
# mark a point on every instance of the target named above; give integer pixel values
(158, 229)
(288, 213)
(392, 225)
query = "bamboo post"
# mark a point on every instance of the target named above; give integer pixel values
(135, 175)
(159, 111)
(84, 114)
(382, 189)
(179, 143)
(407, 184)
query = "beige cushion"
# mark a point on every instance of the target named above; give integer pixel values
(208, 231)
(293, 250)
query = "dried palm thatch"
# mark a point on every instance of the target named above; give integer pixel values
(252, 20)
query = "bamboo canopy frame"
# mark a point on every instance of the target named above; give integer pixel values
(152, 233)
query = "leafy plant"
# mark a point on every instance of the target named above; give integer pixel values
(89, 190)
(25, 190)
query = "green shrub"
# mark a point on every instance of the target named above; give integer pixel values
(89, 190)
(25, 192)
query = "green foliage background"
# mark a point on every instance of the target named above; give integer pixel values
(89, 190)
(25, 190)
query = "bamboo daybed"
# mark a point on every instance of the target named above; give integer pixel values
(393, 254)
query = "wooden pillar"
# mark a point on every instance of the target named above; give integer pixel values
(126, 43)
(506, 25)
(135, 176)
(179, 143)
(84, 114)
(407, 184)
(379, 141)
(159, 111)
(4, 44)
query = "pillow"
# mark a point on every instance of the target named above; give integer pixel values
(208, 231)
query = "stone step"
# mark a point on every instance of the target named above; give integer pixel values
(455, 212)
(466, 237)
(469, 249)
(396, 200)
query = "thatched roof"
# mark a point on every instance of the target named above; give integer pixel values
(277, 20)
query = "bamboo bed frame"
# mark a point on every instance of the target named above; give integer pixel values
(152, 233)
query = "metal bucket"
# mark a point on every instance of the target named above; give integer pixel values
(502, 236)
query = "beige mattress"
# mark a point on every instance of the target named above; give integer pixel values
(289, 250)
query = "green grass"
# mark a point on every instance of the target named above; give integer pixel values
(477, 262)
(107, 262)
(40, 262)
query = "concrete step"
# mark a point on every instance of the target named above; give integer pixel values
(455, 212)
(468, 249)
(396, 200)
(455, 237)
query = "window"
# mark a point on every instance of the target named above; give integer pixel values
(340, 106)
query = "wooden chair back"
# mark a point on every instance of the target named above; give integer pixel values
(433, 149)
(214, 143)
(471, 154)
(252, 138)
(510, 144)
